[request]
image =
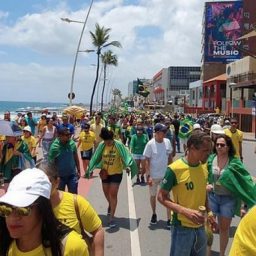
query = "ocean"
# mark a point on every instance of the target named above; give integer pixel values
(22, 106)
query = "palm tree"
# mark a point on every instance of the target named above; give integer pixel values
(107, 59)
(100, 40)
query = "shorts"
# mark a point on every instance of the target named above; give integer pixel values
(138, 157)
(86, 154)
(115, 178)
(222, 205)
(154, 186)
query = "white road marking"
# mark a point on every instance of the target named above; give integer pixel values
(134, 234)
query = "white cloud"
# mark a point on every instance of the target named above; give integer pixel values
(177, 43)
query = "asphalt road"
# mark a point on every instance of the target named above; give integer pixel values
(134, 235)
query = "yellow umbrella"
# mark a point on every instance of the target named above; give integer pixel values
(76, 111)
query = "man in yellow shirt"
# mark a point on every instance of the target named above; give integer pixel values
(187, 178)
(236, 136)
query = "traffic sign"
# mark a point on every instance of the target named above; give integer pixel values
(71, 95)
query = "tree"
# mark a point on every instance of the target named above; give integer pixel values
(117, 97)
(107, 59)
(100, 40)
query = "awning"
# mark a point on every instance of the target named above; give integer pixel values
(250, 34)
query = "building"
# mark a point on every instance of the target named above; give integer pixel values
(173, 82)
(241, 87)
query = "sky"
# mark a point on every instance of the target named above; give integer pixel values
(37, 48)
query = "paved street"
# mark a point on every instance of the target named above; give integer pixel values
(134, 236)
(151, 240)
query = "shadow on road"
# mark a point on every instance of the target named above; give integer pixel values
(121, 222)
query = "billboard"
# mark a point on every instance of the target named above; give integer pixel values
(223, 26)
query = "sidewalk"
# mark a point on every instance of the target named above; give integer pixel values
(249, 136)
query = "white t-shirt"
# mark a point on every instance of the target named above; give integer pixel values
(158, 153)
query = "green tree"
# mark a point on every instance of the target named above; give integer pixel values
(107, 58)
(100, 40)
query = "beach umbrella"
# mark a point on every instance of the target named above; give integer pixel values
(10, 128)
(76, 111)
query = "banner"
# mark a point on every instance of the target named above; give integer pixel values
(223, 26)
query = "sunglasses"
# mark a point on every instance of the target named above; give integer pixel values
(233, 122)
(6, 210)
(222, 145)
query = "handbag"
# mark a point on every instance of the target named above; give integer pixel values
(103, 174)
(88, 239)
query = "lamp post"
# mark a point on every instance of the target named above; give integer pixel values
(231, 85)
(71, 94)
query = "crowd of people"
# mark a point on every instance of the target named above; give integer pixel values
(187, 164)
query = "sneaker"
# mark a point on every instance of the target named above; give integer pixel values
(108, 211)
(138, 181)
(168, 224)
(142, 179)
(153, 219)
(111, 224)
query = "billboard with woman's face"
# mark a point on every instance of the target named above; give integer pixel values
(223, 26)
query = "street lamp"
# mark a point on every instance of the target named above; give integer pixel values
(231, 85)
(71, 94)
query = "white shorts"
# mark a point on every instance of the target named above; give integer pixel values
(138, 157)
(153, 188)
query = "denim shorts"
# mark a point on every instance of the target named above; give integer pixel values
(188, 241)
(221, 205)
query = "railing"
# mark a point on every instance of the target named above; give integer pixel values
(242, 77)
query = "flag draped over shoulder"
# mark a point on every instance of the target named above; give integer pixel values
(237, 180)
(128, 161)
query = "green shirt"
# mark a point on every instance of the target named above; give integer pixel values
(138, 143)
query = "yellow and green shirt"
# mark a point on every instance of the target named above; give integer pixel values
(188, 185)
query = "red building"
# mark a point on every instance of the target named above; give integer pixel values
(214, 91)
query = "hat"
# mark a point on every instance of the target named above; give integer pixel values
(160, 128)
(64, 116)
(85, 126)
(196, 126)
(64, 130)
(27, 128)
(26, 187)
(217, 129)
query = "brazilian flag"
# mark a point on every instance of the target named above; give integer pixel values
(141, 88)
(186, 127)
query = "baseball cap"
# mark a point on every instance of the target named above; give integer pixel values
(196, 126)
(85, 126)
(64, 116)
(27, 128)
(64, 130)
(217, 129)
(26, 187)
(160, 128)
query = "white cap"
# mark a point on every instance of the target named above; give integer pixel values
(196, 126)
(27, 128)
(217, 129)
(26, 187)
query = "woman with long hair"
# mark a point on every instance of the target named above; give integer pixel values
(27, 222)
(229, 184)
(113, 157)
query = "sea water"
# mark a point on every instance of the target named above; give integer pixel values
(21, 106)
